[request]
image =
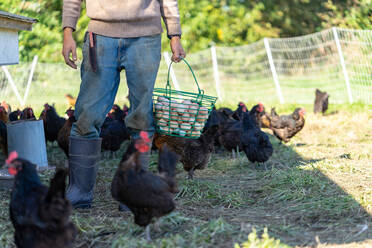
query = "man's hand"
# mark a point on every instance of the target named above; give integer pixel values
(177, 49)
(69, 47)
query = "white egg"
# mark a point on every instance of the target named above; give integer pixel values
(185, 126)
(193, 109)
(158, 106)
(198, 126)
(182, 132)
(162, 123)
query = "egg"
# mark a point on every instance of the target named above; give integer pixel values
(195, 133)
(182, 133)
(203, 111)
(193, 109)
(185, 126)
(174, 116)
(163, 99)
(173, 124)
(201, 118)
(158, 106)
(185, 117)
(198, 126)
(162, 123)
(164, 129)
(165, 115)
(159, 114)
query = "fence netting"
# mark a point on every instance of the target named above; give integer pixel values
(335, 60)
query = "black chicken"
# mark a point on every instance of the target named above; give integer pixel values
(255, 143)
(3, 138)
(52, 122)
(64, 132)
(40, 215)
(238, 113)
(321, 101)
(113, 133)
(146, 194)
(15, 115)
(231, 132)
(117, 113)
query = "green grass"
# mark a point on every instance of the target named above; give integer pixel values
(316, 190)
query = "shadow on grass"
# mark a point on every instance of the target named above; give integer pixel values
(300, 205)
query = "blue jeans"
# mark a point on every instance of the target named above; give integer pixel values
(140, 58)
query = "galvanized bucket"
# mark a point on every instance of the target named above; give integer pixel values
(28, 139)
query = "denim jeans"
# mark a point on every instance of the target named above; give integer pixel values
(140, 58)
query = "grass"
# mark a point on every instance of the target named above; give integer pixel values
(317, 191)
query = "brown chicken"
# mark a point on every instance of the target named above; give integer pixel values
(64, 132)
(71, 100)
(27, 114)
(146, 194)
(6, 106)
(4, 115)
(40, 215)
(285, 127)
(194, 153)
(321, 101)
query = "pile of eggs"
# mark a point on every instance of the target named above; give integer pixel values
(184, 118)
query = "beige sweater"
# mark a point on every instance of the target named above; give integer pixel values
(125, 18)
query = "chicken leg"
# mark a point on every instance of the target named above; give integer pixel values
(191, 174)
(147, 233)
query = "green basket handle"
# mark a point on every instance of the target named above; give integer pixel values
(193, 74)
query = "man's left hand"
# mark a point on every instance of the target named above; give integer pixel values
(177, 49)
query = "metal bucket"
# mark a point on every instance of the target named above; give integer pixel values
(28, 139)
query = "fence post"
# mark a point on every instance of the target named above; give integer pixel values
(273, 70)
(173, 75)
(33, 65)
(216, 72)
(342, 62)
(14, 87)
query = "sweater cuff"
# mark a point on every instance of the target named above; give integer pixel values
(69, 21)
(173, 29)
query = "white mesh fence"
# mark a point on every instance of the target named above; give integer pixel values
(288, 70)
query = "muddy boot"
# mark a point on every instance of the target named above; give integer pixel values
(84, 155)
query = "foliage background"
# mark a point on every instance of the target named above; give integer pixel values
(204, 22)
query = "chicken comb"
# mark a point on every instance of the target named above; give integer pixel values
(12, 156)
(142, 145)
(145, 136)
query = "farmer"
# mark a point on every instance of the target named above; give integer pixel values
(125, 35)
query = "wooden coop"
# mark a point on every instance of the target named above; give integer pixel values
(10, 24)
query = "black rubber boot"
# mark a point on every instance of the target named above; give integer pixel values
(84, 155)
